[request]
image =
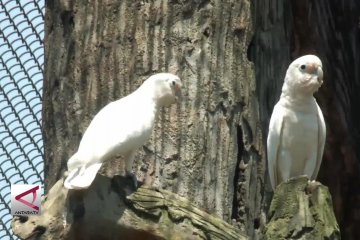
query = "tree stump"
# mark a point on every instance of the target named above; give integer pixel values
(301, 210)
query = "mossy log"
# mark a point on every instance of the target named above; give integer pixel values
(111, 209)
(301, 210)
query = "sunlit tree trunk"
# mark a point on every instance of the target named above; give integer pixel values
(209, 149)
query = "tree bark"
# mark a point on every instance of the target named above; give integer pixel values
(209, 148)
(301, 210)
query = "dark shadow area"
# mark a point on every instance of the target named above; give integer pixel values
(330, 30)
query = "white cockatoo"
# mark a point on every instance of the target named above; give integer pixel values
(120, 128)
(297, 130)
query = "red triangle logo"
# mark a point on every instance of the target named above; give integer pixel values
(33, 191)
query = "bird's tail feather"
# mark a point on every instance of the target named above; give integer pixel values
(81, 177)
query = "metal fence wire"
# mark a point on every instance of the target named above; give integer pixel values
(21, 81)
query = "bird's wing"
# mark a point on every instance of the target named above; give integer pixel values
(273, 143)
(321, 141)
(113, 127)
(108, 123)
(81, 177)
(94, 147)
(74, 162)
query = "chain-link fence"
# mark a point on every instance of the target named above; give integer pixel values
(21, 80)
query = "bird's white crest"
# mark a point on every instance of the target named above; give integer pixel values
(297, 131)
(120, 128)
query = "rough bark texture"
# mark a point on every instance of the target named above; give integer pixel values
(210, 148)
(207, 149)
(301, 210)
(110, 209)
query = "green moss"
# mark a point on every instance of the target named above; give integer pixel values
(301, 211)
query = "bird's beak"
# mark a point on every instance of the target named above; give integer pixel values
(312, 68)
(315, 69)
(320, 74)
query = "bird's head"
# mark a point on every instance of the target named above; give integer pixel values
(166, 88)
(304, 75)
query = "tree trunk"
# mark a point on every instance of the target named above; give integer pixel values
(210, 148)
(301, 210)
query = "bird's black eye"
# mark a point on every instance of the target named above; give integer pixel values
(302, 67)
(173, 82)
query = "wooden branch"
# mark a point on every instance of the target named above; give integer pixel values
(111, 209)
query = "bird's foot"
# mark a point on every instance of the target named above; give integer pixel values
(133, 179)
(312, 186)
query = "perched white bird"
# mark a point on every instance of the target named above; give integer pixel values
(120, 128)
(297, 131)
